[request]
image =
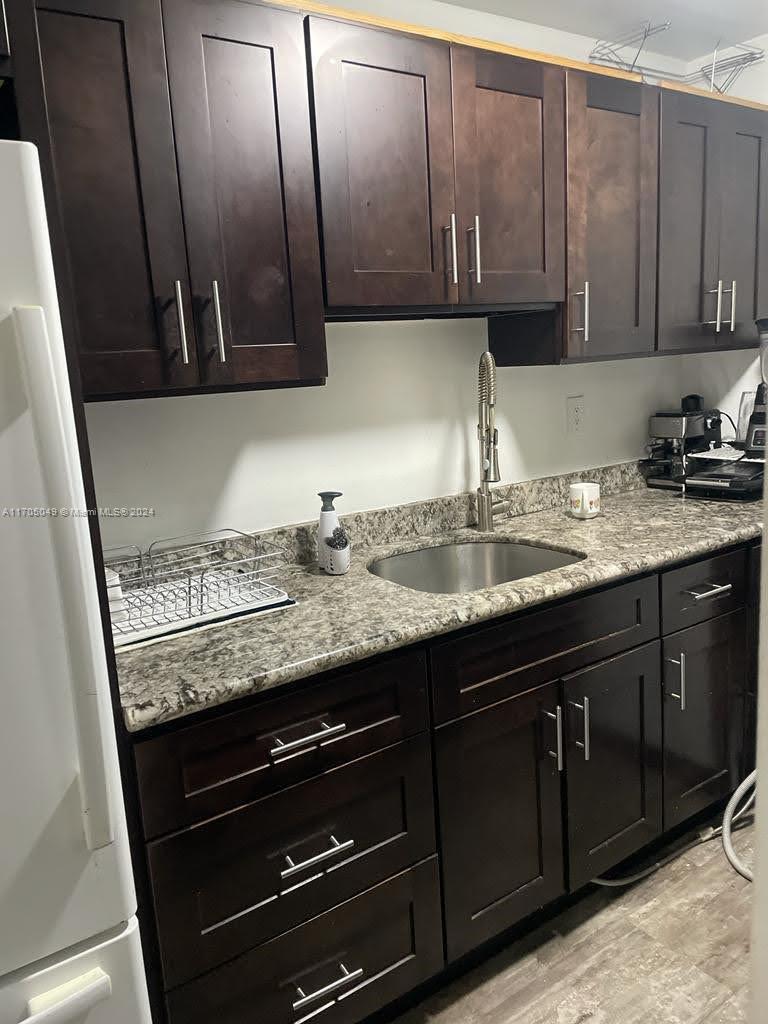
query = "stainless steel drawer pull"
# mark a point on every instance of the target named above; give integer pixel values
(335, 848)
(585, 329)
(475, 230)
(715, 591)
(679, 696)
(451, 228)
(219, 323)
(182, 325)
(347, 976)
(585, 745)
(557, 717)
(314, 737)
(717, 323)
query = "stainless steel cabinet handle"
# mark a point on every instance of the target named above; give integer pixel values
(717, 589)
(718, 321)
(586, 744)
(680, 696)
(733, 307)
(314, 737)
(586, 323)
(557, 717)
(451, 228)
(585, 329)
(475, 230)
(182, 325)
(335, 848)
(219, 325)
(346, 977)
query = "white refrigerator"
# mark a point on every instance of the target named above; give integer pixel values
(69, 943)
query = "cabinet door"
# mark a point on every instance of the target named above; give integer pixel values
(500, 816)
(509, 141)
(5, 47)
(744, 225)
(385, 159)
(689, 222)
(613, 713)
(704, 677)
(612, 216)
(109, 123)
(241, 116)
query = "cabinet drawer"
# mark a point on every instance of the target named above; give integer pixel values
(499, 661)
(207, 769)
(336, 969)
(703, 590)
(225, 886)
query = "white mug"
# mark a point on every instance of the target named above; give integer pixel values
(584, 500)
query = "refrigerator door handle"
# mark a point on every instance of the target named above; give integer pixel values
(70, 1002)
(57, 451)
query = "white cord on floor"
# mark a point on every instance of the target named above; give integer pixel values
(705, 835)
(730, 817)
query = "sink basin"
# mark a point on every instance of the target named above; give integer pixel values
(463, 567)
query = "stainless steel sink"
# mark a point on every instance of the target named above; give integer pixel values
(462, 567)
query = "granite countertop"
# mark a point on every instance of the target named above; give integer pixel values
(343, 619)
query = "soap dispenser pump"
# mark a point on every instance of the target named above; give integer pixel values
(329, 520)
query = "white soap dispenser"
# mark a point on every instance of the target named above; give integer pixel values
(329, 520)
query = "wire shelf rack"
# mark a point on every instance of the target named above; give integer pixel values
(719, 73)
(183, 582)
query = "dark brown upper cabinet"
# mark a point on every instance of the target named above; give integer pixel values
(713, 242)
(123, 261)
(612, 216)
(611, 181)
(385, 158)
(744, 221)
(240, 106)
(124, 242)
(509, 155)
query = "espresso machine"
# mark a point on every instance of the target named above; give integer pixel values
(686, 452)
(739, 477)
(675, 436)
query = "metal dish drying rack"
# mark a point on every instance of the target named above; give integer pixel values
(183, 582)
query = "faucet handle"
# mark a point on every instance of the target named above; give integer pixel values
(494, 476)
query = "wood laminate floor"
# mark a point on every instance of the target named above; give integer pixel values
(671, 950)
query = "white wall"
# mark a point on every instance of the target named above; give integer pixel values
(483, 25)
(396, 421)
(751, 84)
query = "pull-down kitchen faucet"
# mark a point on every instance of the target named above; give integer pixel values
(488, 437)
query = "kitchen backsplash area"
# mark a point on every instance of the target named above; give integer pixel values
(255, 461)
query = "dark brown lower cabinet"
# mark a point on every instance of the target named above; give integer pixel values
(242, 878)
(340, 966)
(613, 715)
(5, 48)
(704, 677)
(500, 816)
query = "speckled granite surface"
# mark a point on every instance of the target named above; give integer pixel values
(441, 515)
(343, 619)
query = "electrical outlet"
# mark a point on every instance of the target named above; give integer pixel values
(574, 414)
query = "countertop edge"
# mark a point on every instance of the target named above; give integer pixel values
(605, 572)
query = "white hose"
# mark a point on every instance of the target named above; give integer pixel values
(730, 817)
(725, 831)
